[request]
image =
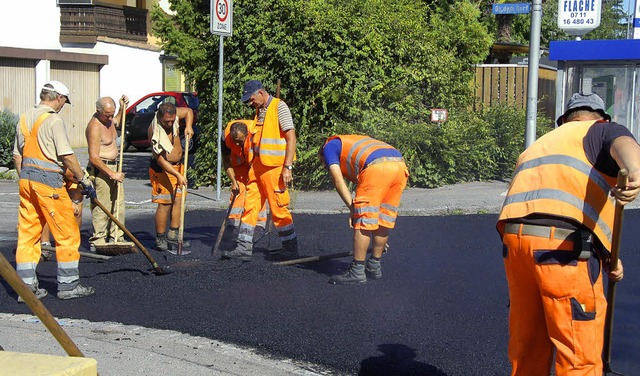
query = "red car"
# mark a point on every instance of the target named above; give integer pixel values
(141, 113)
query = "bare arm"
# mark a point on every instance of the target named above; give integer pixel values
(71, 162)
(231, 173)
(290, 138)
(17, 161)
(341, 187)
(187, 114)
(626, 152)
(117, 120)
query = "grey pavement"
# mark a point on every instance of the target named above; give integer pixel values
(132, 350)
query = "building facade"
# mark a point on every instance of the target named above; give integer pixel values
(96, 48)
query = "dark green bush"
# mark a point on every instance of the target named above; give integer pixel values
(8, 122)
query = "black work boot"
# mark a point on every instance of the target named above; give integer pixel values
(373, 268)
(172, 238)
(229, 238)
(243, 251)
(355, 275)
(289, 251)
(161, 242)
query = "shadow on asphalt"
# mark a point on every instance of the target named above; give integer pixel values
(397, 359)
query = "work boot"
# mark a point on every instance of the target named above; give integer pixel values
(78, 292)
(229, 237)
(240, 254)
(47, 251)
(172, 238)
(355, 275)
(40, 293)
(289, 251)
(259, 233)
(161, 243)
(373, 269)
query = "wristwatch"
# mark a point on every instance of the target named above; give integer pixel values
(288, 167)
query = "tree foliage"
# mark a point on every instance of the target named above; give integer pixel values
(363, 66)
(8, 122)
(613, 23)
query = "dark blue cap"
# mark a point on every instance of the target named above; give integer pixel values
(250, 88)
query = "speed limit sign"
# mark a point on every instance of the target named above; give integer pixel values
(221, 17)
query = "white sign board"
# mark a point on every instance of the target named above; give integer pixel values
(578, 17)
(439, 115)
(221, 17)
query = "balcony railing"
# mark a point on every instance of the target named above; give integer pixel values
(85, 23)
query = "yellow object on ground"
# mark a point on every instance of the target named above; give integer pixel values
(25, 364)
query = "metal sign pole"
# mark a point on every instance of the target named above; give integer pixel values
(220, 78)
(221, 23)
(534, 63)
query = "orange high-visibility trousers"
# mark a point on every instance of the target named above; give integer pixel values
(40, 203)
(378, 195)
(556, 303)
(235, 215)
(265, 183)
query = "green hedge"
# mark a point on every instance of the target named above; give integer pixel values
(8, 122)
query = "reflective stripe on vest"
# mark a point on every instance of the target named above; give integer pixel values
(35, 165)
(272, 146)
(354, 153)
(554, 177)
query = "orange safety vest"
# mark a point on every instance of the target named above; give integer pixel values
(240, 155)
(553, 176)
(354, 153)
(272, 145)
(48, 171)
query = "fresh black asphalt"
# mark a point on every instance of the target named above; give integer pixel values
(440, 309)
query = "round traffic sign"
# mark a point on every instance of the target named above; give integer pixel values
(222, 10)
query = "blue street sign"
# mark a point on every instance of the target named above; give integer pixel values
(511, 8)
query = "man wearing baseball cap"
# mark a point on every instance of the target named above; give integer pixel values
(270, 175)
(43, 158)
(556, 225)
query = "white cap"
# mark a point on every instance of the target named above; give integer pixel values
(57, 87)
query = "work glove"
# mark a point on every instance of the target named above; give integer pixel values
(88, 189)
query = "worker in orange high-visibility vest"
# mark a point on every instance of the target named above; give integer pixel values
(42, 153)
(381, 175)
(270, 175)
(237, 153)
(556, 224)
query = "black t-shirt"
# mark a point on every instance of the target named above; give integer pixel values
(597, 145)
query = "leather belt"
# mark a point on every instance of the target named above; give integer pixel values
(539, 231)
(108, 162)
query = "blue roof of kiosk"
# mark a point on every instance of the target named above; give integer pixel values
(616, 49)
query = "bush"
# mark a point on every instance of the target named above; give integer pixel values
(8, 122)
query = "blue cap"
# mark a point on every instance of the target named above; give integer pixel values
(250, 88)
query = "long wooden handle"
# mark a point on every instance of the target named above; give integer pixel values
(183, 198)
(216, 245)
(123, 123)
(146, 253)
(36, 306)
(613, 264)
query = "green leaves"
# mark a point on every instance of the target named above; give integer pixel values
(361, 66)
(8, 123)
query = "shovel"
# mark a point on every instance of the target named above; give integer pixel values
(214, 250)
(611, 288)
(183, 197)
(159, 270)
